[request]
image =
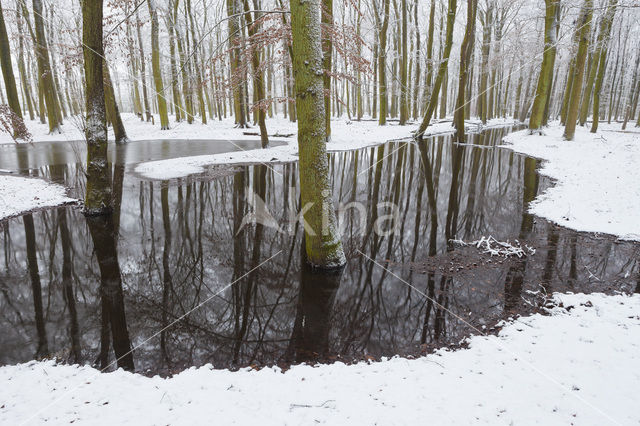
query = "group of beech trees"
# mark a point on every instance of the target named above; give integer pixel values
(171, 61)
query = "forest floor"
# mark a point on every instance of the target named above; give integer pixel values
(344, 129)
(574, 366)
(596, 177)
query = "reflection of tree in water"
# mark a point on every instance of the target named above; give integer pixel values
(310, 336)
(516, 273)
(114, 322)
(179, 242)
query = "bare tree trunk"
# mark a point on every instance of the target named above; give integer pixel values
(584, 30)
(155, 65)
(404, 108)
(98, 195)
(543, 90)
(9, 80)
(382, 65)
(465, 58)
(44, 69)
(113, 112)
(322, 240)
(442, 69)
(601, 55)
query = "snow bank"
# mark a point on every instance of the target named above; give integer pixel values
(577, 365)
(598, 175)
(19, 195)
(345, 136)
(225, 129)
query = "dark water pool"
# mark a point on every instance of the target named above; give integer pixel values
(178, 245)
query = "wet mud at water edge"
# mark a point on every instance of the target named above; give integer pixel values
(156, 275)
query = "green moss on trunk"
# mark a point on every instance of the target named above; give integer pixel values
(322, 242)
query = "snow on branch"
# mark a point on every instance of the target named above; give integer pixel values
(490, 245)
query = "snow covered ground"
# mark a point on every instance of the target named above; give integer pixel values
(225, 129)
(19, 195)
(597, 186)
(345, 135)
(576, 366)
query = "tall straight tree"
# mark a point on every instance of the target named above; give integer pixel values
(234, 10)
(327, 51)
(44, 70)
(155, 65)
(98, 197)
(543, 89)
(113, 112)
(322, 241)
(442, 69)
(429, 60)
(600, 60)
(26, 88)
(584, 31)
(404, 107)
(382, 64)
(258, 75)
(9, 79)
(487, 27)
(465, 59)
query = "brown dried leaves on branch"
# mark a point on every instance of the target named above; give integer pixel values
(11, 123)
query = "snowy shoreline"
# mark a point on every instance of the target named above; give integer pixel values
(345, 136)
(20, 195)
(595, 178)
(589, 381)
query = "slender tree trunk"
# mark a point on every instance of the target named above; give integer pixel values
(322, 240)
(543, 90)
(196, 66)
(98, 187)
(584, 30)
(26, 83)
(327, 52)
(417, 73)
(146, 114)
(404, 107)
(442, 69)
(465, 58)
(602, 50)
(113, 112)
(175, 88)
(155, 65)
(429, 59)
(44, 69)
(382, 65)
(258, 75)
(9, 80)
(483, 104)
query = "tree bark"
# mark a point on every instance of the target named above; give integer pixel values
(155, 65)
(442, 69)
(404, 108)
(9, 79)
(584, 30)
(44, 69)
(322, 241)
(465, 58)
(543, 89)
(602, 50)
(98, 195)
(382, 65)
